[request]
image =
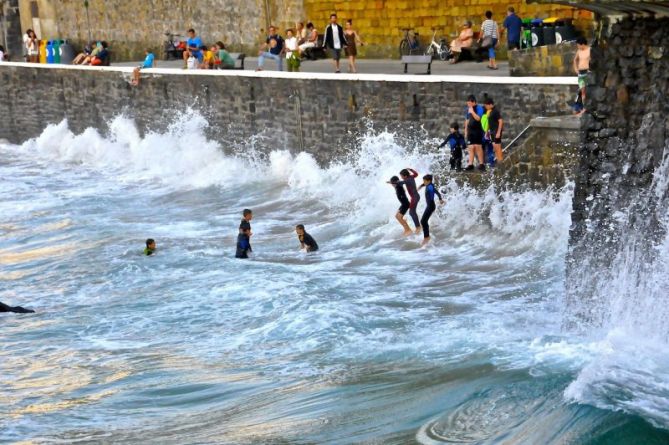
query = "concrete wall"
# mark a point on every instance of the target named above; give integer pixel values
(133, 26)
(549, 60)
(321, 113)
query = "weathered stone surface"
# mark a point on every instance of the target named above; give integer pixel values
(241, 107)
(551, 60)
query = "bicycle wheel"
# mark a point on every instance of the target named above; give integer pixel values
(444, 52)
(405, 50)
(429, 51)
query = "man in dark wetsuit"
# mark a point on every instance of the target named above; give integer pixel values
(430, 191)
(404, 203)
(307, 242)
(408, 176)
(244, 236)
(474, 133)
(16, 309)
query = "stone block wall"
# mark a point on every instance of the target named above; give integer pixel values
(379, 22)
(549, 60)
(627, 140)
(131, 27)
(322, 116)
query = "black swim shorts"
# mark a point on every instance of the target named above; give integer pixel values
(403, 208)
(475, 139)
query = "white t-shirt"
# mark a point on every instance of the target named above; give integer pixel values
(291, 45)
(335, 36)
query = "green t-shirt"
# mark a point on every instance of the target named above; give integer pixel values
(225, 58)
(148, 251)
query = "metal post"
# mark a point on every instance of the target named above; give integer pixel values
(88, 21)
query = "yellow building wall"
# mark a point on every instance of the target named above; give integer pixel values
(380, 22)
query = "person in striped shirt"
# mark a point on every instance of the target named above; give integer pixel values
(489, 35)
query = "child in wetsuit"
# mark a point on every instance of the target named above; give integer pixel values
(430, 191)
(404, 203)
(307, 242)
(244, 236)
(457, 144)
(150, 247)
(408, 176)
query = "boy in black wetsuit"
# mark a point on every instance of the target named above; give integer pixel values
(150, 247)
(244, 236)
(430, 191)
(456, 142)
(408, 176)
(307, 242)
(404, 203)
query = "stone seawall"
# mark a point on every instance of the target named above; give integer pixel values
(320, 113)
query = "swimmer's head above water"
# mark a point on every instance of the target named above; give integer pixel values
(150, 246)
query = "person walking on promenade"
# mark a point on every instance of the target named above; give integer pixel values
(335, 40)
(489, 37)
(273, 48)
(513, 26)
(353, 39)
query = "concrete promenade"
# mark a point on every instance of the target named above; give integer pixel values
(366, 66)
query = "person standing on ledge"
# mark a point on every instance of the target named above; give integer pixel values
(193, 45)
(335, 40)
(582, 67)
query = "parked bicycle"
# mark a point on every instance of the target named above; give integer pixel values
(410, 43)
(440, 49)
(172, 49)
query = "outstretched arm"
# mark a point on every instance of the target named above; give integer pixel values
(414, 173)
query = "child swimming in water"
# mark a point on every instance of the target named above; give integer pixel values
(430, 191)
(404, 203)
(150, 248)
(307, 242)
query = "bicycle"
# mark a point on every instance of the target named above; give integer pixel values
(440, 49)
(171, 47)
(410, 43)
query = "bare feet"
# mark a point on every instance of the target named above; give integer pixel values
(418, 230)
(425, 241)
(408, 232)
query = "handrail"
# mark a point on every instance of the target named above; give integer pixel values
(516, 138)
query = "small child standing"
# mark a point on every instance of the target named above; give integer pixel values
(150, 248)
(307, 242)
(404, 203)
(457, 144)
(430, 191)
(149, 62)
(244, 236)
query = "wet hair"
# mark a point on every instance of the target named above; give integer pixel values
(310, 25)
(511, 9)
(455, 126)
(300, 226)
(404, 172)
(488, 14)
(394, 180)
(489, 101)
(247, 212)
(581, 41)
(428, 178)
(471, 98)
(191, 30)
(149, 241)
(220, 44)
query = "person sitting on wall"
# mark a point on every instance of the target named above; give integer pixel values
(464, 40)
(223, 60)
(102, 57)
(193, 45)
(149, 62)
(273, 48)
(207, 58)
(88, 49)
(311, 41)
(97, 47)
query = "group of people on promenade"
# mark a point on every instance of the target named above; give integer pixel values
(337, 40)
